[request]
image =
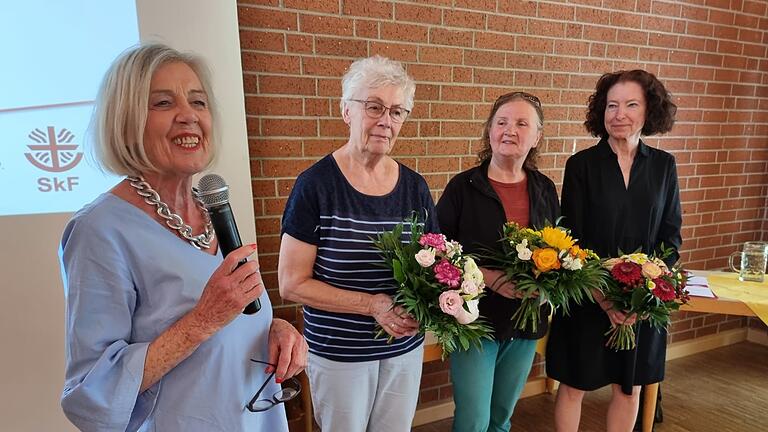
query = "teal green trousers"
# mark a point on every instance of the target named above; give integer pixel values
(487, 383)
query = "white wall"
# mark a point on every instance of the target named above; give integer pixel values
(32, 312)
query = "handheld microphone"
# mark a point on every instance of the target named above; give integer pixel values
(213, 191)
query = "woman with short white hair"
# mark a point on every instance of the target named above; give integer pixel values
(329, 264)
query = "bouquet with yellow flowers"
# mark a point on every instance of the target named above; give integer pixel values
(546, 265)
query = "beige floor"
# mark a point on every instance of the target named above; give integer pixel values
(723, 390)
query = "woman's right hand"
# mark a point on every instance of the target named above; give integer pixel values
(393, 319)
(229, 290)
(617, 317)
(504, 287)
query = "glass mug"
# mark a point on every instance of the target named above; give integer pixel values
(754, 258)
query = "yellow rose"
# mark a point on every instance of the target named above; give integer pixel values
(637, 258)
(557, 238)
(546, 259)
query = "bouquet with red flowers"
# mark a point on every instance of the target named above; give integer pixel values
(645, 286)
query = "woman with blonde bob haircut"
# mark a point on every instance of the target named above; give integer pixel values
(117, 125)
(155, 334)
(360, 381)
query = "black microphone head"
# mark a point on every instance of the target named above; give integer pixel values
(212, 190)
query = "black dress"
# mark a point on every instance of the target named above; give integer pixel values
(608, 217)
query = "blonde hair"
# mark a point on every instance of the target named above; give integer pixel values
(120, 113)
(375, 72)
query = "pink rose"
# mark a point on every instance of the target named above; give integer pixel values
(436, 241)
(450, 302)
(447, 273)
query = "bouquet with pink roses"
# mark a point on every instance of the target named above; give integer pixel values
(437, 284)
(642, 285)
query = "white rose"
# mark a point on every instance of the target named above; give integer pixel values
(522, 250)
(572, 263)
(425, 257)
(464, 317)
(452, 248)
(473, 273)
(469, 287)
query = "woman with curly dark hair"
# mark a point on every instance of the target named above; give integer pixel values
(619, 195)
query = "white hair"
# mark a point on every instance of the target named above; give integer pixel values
(375, 72)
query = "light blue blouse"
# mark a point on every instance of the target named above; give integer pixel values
(127, 279)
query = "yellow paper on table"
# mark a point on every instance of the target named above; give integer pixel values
(541, 345)
(753, 294)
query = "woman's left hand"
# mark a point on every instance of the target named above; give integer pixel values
(287, 349)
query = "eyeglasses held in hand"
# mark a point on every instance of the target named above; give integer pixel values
(291, 390)
(377, 110)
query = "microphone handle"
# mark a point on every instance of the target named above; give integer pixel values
(223, 221)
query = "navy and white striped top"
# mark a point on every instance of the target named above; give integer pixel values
(326, 211)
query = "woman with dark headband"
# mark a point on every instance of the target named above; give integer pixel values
(505, 186)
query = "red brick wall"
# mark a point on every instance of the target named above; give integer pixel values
(463, 53)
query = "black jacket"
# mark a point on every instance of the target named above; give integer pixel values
(470, 212)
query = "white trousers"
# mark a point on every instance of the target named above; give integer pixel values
(372, 396)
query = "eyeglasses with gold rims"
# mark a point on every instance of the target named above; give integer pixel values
(291, 389)
(376, 110)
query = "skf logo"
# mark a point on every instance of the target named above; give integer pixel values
(55, 153)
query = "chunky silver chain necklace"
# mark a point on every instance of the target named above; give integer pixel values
(174, 221)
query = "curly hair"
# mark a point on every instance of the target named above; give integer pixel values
(659, 112)
(485, 152)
